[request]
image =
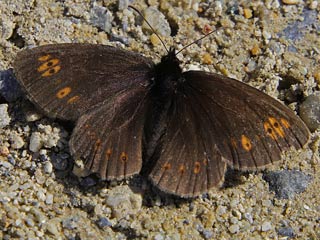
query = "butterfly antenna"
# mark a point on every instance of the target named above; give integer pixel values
(152, 29)
(206, 35)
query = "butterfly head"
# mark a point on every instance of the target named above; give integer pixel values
(168, 71)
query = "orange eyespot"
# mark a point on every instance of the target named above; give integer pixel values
(196, 169)
(44, 58)
(123, 157)
(246, 143)
(63, 92)
(51, 71)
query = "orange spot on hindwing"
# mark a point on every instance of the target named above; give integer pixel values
(182, 169)
(166, 166)
(197, 167)
(124, 157)
(108, 153)
(97, 145)
(246, 143)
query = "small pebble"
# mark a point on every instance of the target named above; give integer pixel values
(103, 222)
(123, 202)
(266, 226)
(159, 237)
(286, 231)
(255, 50)
(35, 142)
(4, 151)
(71, 222)
(11, 160)
(32, 116)
(310, 111)
(313, 5)
(249, 217)
(48, 167)
(234, 228)
(207, 234)
(60, 162)
(247, 13)
(49, 199)
(17, 141)
(207, 59)
(291, 2)
(221, 210)
(4, 116)
(53, 226)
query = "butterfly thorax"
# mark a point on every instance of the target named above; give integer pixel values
(168, 74)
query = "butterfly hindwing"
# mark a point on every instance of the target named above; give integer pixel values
(61, 79)
(109, 138)
(189, 162)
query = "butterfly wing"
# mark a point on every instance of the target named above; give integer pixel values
(216, 121)
(104, 89)
(109, 138)
(189, 162)
(61, 78)
(252, 128)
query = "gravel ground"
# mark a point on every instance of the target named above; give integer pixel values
(271, 45)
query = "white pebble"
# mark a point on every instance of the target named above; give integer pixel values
(266, 226)
(48, 167)
(234, 228)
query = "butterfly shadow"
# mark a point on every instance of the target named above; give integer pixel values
(233, 178)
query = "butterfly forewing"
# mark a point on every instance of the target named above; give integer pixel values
(61, 79)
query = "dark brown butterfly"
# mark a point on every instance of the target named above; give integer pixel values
(182, 129)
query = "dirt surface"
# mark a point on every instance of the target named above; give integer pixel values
(271, 45)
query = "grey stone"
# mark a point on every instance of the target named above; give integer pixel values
(102, 18)
(266, 226)
(103, 222)
(9, 87)
(123, 202)
(286, 231)
(71, 222)
(286, 184)
(310, 111)
(157, 20)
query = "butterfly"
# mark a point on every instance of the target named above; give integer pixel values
(181, 129)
